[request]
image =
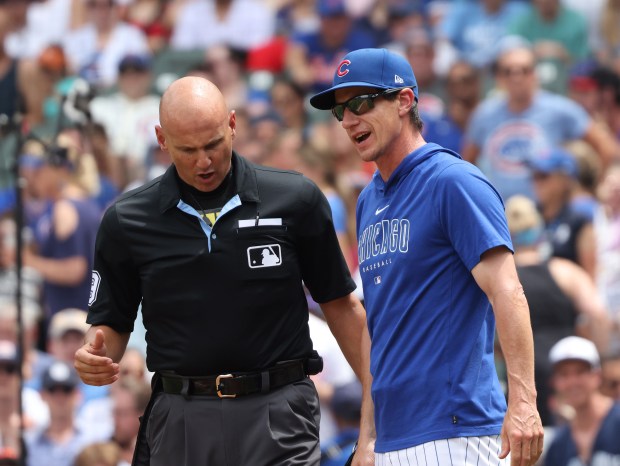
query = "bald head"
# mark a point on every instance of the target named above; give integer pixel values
(191, 100)
(197, 130)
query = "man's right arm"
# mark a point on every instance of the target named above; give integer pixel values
(97, 360)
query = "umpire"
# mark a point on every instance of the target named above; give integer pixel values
(216, 250)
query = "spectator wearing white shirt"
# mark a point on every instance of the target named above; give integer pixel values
(242, 24)
(96, 49)
(129, 116)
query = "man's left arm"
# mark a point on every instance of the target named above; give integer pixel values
(346, 318)
(522, 432)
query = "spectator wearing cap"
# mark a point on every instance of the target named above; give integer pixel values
(570, 233)
(96, 49)
(590, 435)
(242, 24)
(345, 407)
(563, 299)
(128, 116)
(60, 442)
(65, 336)
(66, 333)
(312, 57)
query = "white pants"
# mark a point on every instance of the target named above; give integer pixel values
(461, 451)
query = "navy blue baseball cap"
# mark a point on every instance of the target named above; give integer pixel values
(556, 160)
(378, 68)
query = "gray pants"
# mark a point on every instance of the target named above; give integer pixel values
(279, 428)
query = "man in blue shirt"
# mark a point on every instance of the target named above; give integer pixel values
(436, 264)
(508, 127)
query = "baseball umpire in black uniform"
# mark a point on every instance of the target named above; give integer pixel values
(216, 250)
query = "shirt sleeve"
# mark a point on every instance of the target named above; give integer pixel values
(576, 119)
(115, 289)
(476, 131)
(471, 212)
(324, 270)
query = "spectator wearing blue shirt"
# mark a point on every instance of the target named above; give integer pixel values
(61, 441)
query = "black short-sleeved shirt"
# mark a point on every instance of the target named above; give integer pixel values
(224, 299)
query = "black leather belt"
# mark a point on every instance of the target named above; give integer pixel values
(233, 385)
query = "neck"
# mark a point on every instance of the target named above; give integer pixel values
(60, 426)
(552, 208)
(519, 105)
(590, 415)
(388, 162)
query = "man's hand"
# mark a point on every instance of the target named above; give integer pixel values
(365, 454)
(522, 434)
(92, 363)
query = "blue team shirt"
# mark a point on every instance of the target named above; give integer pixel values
(432, 328)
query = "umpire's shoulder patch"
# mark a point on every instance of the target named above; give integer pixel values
(94, 287)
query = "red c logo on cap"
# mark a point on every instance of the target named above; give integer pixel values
(340, 71)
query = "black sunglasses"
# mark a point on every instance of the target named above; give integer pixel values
(60, 388)
(8, 368)
(361, 104)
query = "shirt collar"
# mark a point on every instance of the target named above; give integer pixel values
(244, 182)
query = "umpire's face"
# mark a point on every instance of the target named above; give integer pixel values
(200, 148)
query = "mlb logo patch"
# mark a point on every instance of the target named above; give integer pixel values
(269, 255)
(378, 280)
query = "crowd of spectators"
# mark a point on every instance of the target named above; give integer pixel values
(529, 90)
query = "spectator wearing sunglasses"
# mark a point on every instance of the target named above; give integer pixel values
(508, 127)
(60, 442)
(438, 275)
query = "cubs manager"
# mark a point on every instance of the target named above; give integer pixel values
(215, 250)
(437, 270)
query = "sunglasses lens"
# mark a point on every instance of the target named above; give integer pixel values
(360, 105)
(338, 112)
(8, 368)
(60, 388)
(357, 105)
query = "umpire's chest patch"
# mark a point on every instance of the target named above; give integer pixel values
(268, 255)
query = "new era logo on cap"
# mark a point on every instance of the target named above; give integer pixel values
(378, 68)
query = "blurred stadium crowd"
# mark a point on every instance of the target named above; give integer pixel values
(529, 90)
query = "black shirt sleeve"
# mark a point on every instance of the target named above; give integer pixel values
(324, 269)
(116, 293)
